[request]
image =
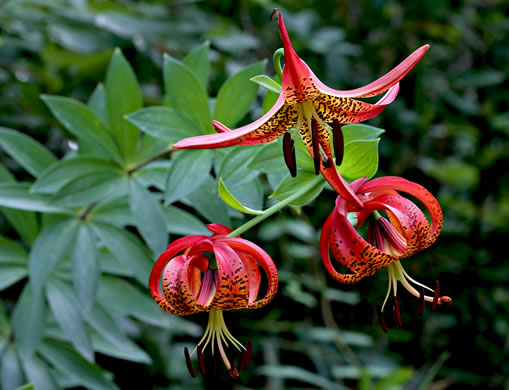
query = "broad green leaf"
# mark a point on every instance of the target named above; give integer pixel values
(28, 320)
(207, 202)
(49, 249)
(62, 172)
(27, 152)
(110, 264)
(11, 252)
(123, 96)
(396, 378)
(96, 187)
(267, 83)
(148, 147)
(114, 212)
(127, 248)
(78, 119)
(185, 93)
(122, 298)
(360, 159)
(269, 159)
(5, 329)
(360, 131)
(11, 273)
(230, 200)
(24, 222)
(85, 266)
(198, 61)
(66, 310)
(154, 174)
(11, 372)
(164, 123)
(5, 175)
(26, 387)
(97, 103)
(148, 216)
(181, 222)
(126, 351)
(17, 196)
(67, 360)
(233, 168)
(290, 185)
(39, 373)
(188, 170)
(237, 95)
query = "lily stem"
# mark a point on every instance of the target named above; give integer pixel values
(278, 206)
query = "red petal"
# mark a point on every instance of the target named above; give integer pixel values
(217, 228)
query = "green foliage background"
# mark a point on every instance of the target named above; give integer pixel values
(447, 130)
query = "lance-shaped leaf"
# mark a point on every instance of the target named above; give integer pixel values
(198, 61)
(39, 373)
(360, 159)
(290, 184)
(230, 200)
(10, 369)
(27, 152)
(18, 196)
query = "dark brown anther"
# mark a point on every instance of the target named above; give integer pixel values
(436, 296)
(189, 363)
(316, 145)
(201, 361)
(338, 141)
(396, 313)
(275, 13)
(381, 319)
(420, 305)
(289, 154)
(247, 356)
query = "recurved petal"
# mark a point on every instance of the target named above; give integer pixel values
(383, 83)
(347, 110)
(218, 228)
(273, 124)
(391, 183)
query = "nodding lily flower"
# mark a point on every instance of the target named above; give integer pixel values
(192, 283)
(401, 234)
(309, 105)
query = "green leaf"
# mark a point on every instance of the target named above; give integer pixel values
(17, 196)
(181, 222)
(198, 61)
(130, 301)
(11, 273)
(85, 266)
(148, 216)
(66, 310)
(127, 351)
(26, 387)
(233, 168)
(39, 373)
(67, 360)
(78, 119)
(114, 212)
(232, 201)
(237, 95)
(127, 248)
(97, 103)
(49, 249)
(299, 374)
(267, 83)
(62, 172)
(154, 174)
(360, 159)
(27, 152)
(95, 187)
(12, 252)
(123, 96)
(360, 131)
(164, 123)
(188, 171)
(28, 320)
(269, 159)
(290, 185)
(207, 202)
(11, 372)
(24, 222)
(185, 93)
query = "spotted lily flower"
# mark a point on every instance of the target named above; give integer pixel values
(309, 105)
(404, 231)
(192, 282)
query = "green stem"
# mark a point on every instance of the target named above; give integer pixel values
(274, 209)
(276, 59)
(377, 215)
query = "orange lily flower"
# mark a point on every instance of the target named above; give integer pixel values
(192, 284)
(404, 232)
(309, 105)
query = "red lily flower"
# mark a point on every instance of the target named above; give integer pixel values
(404, 232)
(308, 104)
(190, 284)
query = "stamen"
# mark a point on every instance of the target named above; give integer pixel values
(327, 163)
(201, 361)
(445, 300)
(208, 288)
(396, 313)
(436, 296)
(395, 239)
(189, 363)
(381, 318)
(316, 145)
(246, 356)
(289, 154)
(338, 141)
(420, 305)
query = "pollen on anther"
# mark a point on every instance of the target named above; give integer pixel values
(189, 364)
